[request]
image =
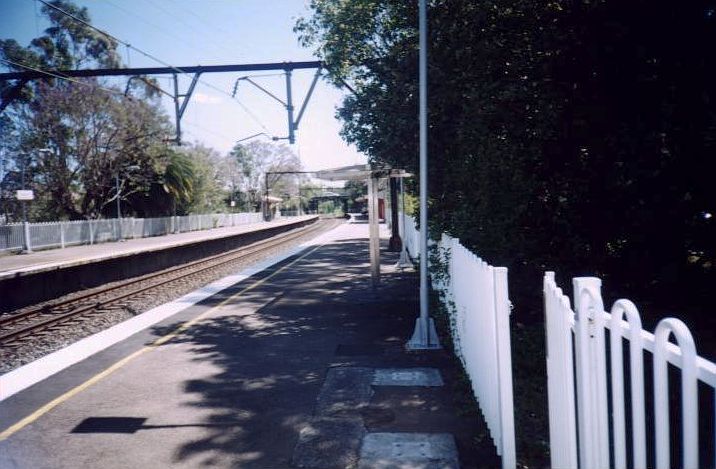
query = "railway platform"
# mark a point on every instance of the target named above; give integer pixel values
(298, 362)
(35, 277)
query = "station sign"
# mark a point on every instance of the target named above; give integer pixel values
(25, 195)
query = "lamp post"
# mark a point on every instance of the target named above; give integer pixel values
(424, 336)
(119, 203)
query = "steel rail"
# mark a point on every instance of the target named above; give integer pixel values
(190, 269)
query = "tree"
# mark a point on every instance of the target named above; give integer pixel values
(563, 135)
(354, 190)
(258, 158)
(94, 132)
(207, 192)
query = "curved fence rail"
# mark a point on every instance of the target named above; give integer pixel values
(581, 434)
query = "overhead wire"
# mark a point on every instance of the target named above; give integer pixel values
(213, 132)
(153, 25)
(156, 59)
(64, 77)
(212, 26)
(187, 24)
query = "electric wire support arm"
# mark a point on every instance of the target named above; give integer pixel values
(288, 104)
(181, 100)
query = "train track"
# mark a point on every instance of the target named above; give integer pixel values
(48, 317)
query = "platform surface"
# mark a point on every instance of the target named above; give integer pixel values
(265, 363)
(12, 264)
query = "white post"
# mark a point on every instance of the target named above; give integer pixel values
(374, 232)
(560, 376)
(504, 369)
(424, 336)
(689, 394)
(636, 366)
(591, 374)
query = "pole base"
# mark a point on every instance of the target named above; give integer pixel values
(394, 244)
(404, 261)
(424, 339)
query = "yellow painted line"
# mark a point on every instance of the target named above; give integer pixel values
(162, 340)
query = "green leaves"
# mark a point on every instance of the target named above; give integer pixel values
(562, 135)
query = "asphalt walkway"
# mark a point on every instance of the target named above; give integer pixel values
(300, 365)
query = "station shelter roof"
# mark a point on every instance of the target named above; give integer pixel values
(359, 172)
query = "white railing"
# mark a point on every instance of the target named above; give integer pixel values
(579, 427)
(475, 294)
(70, 233)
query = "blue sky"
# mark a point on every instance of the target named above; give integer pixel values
(213, 32)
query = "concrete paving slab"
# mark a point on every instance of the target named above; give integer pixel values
(407, 377)
(408, 451)
(345, 391)
(327, 443)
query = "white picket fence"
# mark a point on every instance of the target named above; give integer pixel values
(579, 425)
(475, 295)
(70, 233)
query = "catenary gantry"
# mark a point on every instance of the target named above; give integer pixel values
(181, 100)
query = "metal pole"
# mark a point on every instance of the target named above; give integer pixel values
(395, 240)
(374, 231)
(177, 113)
(26, 246)
(119, 209)
(289, 108)
(300, 209)
(424, 336)
(267, 214)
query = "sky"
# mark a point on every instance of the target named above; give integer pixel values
(217, 32)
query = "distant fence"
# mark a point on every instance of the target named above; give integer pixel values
(475, 294)
(70, 233)
(580, 434)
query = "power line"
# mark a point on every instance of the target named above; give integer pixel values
(150, 56)
(153, 25)
(210, 25)
(213, 132)
(63, 77)
(187, 24)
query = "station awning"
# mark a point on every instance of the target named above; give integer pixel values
(359, 172)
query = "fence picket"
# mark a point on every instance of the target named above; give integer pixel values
(476, 295)
(560, 376)
(636, 367)
(689, 402)
(589, 324)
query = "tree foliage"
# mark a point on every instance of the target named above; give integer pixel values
(74, 139)
(257, 158)
(571, 136)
